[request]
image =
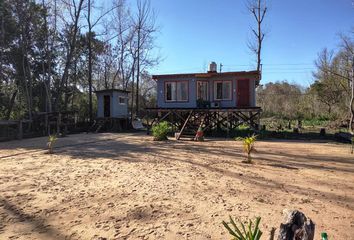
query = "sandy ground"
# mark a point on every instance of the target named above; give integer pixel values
(125, 186)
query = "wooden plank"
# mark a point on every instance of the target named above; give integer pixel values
(184, 125)
(8, 122)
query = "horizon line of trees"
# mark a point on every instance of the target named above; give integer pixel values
(55, 53)
(330, 96)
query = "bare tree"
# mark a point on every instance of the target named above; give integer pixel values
(258, 8)
(124, 37)
(91, 24)
(348, 46)
(340, 69)
(75, 9)
(351, 124)
(145, 28)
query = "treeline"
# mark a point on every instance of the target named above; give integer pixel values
(329, 97)
(55, 53)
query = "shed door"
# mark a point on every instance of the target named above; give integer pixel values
(243, 93)
(107, 105)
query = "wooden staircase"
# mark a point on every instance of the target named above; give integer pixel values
(190, 127)
(96, 126)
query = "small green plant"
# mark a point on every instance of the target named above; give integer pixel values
(248, 146)
(249, 232)
(160, 131)
(51, 141)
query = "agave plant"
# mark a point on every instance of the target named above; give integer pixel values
(249, 232)
(248, 146)
(51, 141)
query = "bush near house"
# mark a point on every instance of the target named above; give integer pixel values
(160, 131)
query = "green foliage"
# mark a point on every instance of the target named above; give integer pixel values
(51, 141)
(248, 145)
(243, 127)
(319, 122)
(249, 232)
(160, 131)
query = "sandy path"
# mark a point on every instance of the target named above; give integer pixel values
(125, 186)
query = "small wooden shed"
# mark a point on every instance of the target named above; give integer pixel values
(112, 103)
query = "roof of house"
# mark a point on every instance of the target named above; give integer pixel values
(257, 74)
(112, 90)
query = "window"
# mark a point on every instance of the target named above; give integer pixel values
(176, 91)
(222, 90)
(202, 90)
(121, 100)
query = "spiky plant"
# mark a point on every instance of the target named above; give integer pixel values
(249, 232)
(51, 141)
(248, 146)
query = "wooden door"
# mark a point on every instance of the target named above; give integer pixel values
(243, 93)
(107, 106)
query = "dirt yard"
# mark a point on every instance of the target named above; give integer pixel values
(125, 186)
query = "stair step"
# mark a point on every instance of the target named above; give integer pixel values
(189, 133)
(186, 138)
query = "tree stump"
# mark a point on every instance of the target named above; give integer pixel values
(296, 226)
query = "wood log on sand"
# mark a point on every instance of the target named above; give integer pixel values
(296, 226)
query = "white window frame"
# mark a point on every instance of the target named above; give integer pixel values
(207, 89)
(176, 89)
(215, 90)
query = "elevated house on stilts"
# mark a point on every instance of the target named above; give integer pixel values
(209, 101)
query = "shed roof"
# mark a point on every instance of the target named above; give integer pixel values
(255, 73)
(112, 90)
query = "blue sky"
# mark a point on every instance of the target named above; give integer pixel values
(195, 32)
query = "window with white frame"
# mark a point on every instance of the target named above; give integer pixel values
(121, 100)
(202, 90)
(176, 91)
(222, 90)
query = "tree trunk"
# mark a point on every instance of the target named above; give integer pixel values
(49, 61)
(137, 75)
(69, 56)
(132, 103)
(90, 60)
(12, 102)
(259, 38)
(351, 124)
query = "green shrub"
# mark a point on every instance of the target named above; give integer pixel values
(249, 232)
(160, 131)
